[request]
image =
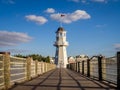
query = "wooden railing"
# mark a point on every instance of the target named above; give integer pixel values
(15, 70)
(100, 68)
(1, 71)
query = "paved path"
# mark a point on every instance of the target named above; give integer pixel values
(62, 79)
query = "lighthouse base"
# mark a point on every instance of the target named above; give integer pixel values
(61, 57)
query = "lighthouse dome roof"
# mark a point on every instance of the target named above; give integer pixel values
(60, 29)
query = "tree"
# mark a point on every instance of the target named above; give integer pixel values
(19, 55)
(35, 57)
(48, 59)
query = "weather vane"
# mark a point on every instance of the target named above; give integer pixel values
(61, 19)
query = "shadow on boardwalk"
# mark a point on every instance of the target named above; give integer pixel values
(62, 79)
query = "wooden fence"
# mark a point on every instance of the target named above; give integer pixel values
(15, 70)
(100, 68)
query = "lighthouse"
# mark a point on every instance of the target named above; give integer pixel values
(61, 45)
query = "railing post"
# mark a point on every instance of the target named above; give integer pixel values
(43, 65)
(118, 70)
(36, 67)
(88, 68)
(91, 67)
(7, 70)
(104, 68)
(46, 67)
(28, 68)
(100, 67)
(70, 66)
(41, 68)
(73, 66)
(83, 67)
(78, 67)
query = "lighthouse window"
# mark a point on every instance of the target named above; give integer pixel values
(60, 34)
(57, 38)
(64, 34)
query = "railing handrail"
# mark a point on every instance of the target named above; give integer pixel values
(99, 68)
(21, 70)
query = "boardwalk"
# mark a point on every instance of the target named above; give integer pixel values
(62, 79)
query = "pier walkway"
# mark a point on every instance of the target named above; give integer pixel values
(62, 79)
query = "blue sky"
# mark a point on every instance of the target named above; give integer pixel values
(28, 26)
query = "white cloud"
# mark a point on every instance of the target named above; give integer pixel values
(102, 1)
(36, 19)
(8, 1)
(100, 25)
(50, 10)
(90, 1)
(11, 1)
(117, 46)
(13, 38)
(83, 1)
(75, 1)
(16, 50)
(70, 17)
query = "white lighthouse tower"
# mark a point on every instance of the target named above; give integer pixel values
(61, 44)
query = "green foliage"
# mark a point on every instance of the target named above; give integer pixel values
(35, 57)
(21, 56)
(48, 59)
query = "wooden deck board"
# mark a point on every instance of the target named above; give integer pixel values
(62, 79)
